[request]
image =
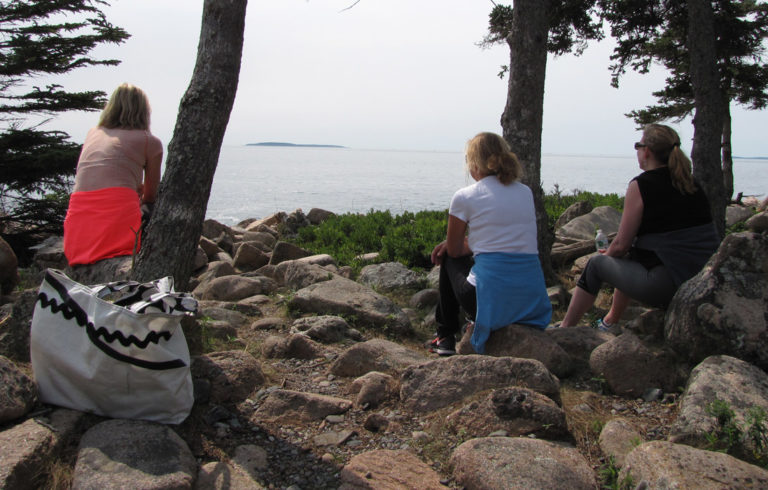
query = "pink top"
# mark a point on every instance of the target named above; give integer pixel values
(116, 158)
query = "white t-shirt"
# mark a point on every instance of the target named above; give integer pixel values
(501, 218)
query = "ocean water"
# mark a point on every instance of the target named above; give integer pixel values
(254, 182)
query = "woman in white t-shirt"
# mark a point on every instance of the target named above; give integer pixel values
(489, 261)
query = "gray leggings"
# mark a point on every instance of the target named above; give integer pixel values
(654, 286)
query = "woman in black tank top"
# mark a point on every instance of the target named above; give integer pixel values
(665, 237)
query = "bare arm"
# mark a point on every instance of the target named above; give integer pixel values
(151, 178)
(630, 222)
(455, 244)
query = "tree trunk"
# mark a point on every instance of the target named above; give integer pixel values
(171, 238)
(523, 115)
(727, 155)
(708, 118)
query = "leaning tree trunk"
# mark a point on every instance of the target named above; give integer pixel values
(727, 155)
(523, 115)
(708, 118)
(174, 231)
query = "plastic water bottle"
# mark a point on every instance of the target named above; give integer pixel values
(601, 241)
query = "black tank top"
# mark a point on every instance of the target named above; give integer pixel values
(665, 208)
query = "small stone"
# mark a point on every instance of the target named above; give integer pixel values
(652, 394)
(420, 435)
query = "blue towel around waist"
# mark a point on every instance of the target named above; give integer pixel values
(510, 289)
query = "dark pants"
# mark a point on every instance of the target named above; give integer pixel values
(654, 286)
(455, 293)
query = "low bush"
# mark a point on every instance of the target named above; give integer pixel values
(410, 237)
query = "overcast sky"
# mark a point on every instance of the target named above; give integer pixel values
(386, 74)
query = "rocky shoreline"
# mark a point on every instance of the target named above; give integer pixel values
(306, 377)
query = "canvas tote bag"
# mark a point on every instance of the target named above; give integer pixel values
(116, 349)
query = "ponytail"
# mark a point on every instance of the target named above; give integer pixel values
(664, 143)
(680, 171)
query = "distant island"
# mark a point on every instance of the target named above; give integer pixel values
(277, 143)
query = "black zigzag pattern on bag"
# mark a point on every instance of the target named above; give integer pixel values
(70, 309)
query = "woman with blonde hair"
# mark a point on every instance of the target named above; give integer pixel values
(665, 237)
(118, 171)
(489, 262)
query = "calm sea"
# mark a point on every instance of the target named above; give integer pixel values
(254, 182)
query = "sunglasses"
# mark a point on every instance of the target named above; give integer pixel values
(640, 145)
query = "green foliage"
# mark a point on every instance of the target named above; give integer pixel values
(36, 170)
(407, 238)
(731, 437)
(656, 31)
(410, 237)
(609, 476)
(571, 25)
(33, 44)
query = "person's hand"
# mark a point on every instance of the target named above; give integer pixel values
(438, 252)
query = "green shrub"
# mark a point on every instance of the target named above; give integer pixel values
(410, 237)
(407, 238)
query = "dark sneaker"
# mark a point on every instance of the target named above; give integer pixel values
(446, 346)
(432, 344)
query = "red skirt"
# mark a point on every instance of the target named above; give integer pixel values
(102, 224)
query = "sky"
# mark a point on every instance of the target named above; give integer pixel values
(385, 74)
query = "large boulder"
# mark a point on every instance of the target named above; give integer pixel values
(17, 391)
(583, 227)
(233, 375)
(15, 322)
(103, 271)
(296, 407)
(578, 343)
(50, 254)
(250, 257)
(443, 382)
(758, 223)
(579, 208)
(386, 469)
(663, 464)
(234, 288)
(722, 310)
(519, 462)
(30, 445)
(737, 214)
(297, 274)
(524, 342)
(120, 454)
(341, 296)
(287, 251)
(375, 355)
(317, 215)
(515, 412)
(390, 276)
(630, 367)
(740, 385)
